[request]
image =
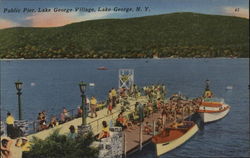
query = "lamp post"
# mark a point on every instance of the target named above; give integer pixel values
(82, 87)
(19, 93)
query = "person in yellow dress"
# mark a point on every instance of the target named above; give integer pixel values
(10, 125)
(93, 104)
(114, 94)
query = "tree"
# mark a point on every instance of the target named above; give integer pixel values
(61, 146)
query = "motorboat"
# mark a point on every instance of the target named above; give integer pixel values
(102, 68)
(212, 108)
(172, 138)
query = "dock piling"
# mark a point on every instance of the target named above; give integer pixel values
(154, 128)
(124, 143)
(140, 137)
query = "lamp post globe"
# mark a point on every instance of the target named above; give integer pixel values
(18, 85)
(82, 86)
(19, 93)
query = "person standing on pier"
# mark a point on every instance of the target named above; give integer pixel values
(164, 116)
(110, 96)
(141, 112)
(79, 111)
(10, 125)
(93, 104)
(109, 107)
(113, 92)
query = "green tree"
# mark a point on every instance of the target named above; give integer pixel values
(61, 146)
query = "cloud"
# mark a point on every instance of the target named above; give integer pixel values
(233, 11)
(7, 24)
(94, 15)
(55, 19)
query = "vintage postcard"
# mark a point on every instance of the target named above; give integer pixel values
(124, 78)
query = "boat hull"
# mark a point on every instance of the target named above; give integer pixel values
(213, 116)
(163, 148)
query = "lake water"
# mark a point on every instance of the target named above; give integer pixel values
(51, 85)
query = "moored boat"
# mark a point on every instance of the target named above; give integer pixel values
(212, 108)
(171, 138)
(102, 68)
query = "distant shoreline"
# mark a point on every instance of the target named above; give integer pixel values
(116, 58)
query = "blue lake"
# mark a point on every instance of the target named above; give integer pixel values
(51, 85)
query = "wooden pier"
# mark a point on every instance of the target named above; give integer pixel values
(134, 139)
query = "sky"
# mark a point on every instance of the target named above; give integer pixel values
(9, 17)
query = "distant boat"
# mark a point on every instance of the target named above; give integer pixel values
(91, 84)
(171, 138)
(102, 68)
(229, 87)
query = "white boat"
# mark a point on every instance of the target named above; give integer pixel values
(229, 87)
(91, 84)
(212, 110)
(171, 138)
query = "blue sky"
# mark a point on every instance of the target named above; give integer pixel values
(52, 19)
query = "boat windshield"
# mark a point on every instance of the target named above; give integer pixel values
(221, 100)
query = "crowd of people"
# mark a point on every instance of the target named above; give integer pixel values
(172, 111)
(155, 91)
(175, 110)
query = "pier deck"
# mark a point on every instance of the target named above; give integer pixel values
(96, 123)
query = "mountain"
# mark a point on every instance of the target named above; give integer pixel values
(177, 35)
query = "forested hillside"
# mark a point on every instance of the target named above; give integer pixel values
(168, 35)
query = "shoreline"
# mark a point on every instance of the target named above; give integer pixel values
(12, 59)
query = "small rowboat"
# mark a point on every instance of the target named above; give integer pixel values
(171, 138)
(102, 68)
